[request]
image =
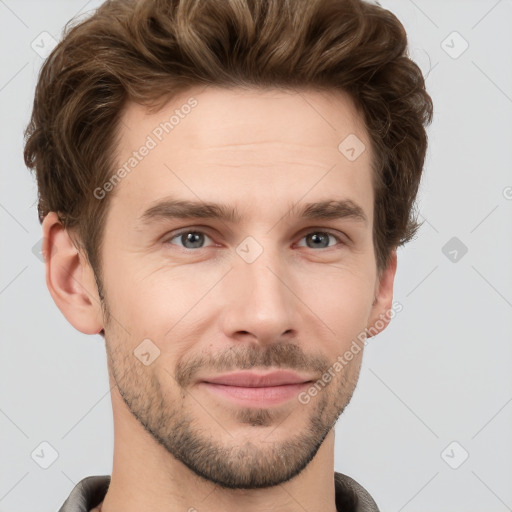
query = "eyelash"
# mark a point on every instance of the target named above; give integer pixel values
(183, 231)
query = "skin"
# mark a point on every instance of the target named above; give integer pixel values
(298, 305)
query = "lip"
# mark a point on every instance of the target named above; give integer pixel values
(249, 379)
(250, 389)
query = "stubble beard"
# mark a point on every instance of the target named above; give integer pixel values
(243, 465)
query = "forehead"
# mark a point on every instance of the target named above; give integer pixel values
(209, 143)
(213, 116)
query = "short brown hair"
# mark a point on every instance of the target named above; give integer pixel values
(150, 50)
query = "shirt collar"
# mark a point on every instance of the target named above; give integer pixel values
(90, 492)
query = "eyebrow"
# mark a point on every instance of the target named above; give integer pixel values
(179, 209)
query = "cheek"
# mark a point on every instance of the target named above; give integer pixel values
(342, 301)
(158, 302)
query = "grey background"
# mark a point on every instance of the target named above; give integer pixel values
(439, 374)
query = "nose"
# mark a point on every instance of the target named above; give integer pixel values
(260, 304)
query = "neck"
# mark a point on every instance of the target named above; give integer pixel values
(145, 477)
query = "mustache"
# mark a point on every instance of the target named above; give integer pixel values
(289, 356)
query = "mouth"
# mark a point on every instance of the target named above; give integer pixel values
(249, 388)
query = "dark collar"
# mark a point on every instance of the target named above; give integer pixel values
(90, 492)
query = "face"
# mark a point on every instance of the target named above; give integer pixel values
(237, 266)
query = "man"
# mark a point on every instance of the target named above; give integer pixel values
(222, 189)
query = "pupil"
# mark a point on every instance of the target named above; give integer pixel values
(318, 239)
(193, 238)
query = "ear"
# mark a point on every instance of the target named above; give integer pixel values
(383, 302)
(70, 278)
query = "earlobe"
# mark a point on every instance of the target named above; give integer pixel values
(383, 302)
(70, 278)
